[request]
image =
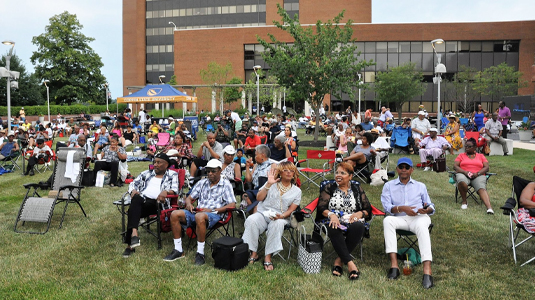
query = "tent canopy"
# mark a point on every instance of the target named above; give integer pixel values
(153, 93)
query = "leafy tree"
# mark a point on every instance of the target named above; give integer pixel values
(65, 58)
(173, 80)
(231, 94)
(215, 75)
(461, 89)
(323, 59)
(399, 85)
(29, 92)
(499, 81)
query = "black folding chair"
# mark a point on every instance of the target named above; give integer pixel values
(515, 226)
(471, 193)
(410, 238)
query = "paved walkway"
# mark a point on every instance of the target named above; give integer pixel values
(524, 145)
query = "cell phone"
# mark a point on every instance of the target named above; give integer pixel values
(343, 227)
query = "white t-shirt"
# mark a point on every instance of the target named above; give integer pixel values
(235, 117)
(153, 188)
(422, 125)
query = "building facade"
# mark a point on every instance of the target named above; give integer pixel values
(180, 37)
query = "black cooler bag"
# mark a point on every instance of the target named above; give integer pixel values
(230, 253)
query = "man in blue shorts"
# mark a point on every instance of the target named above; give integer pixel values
(214, 195)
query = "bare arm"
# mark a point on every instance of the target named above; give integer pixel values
(527, 194)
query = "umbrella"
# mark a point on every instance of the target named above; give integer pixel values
(276, 111)
(291, 111)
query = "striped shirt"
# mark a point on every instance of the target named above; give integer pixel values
(169, 183)
(213, 197)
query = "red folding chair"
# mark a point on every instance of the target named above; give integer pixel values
(480, 142)
(311, 174)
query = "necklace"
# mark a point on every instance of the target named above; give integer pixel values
(283, 189)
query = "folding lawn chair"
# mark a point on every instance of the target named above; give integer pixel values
(515, 226)
(13, 160)
(164, 138)
(401, 139)
(471, 193)
(410, 239)
(311, 174)
(322, 228)
(66, 187)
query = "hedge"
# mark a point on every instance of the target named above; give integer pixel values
(62, 109)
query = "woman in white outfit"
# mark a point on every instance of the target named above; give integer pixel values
(278, 198)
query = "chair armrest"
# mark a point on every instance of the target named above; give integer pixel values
(71, 187)
(32, 185)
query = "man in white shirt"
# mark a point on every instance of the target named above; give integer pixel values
(420, 127)
(141, 118)
(381, 147)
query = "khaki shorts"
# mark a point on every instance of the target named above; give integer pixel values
(479, 182)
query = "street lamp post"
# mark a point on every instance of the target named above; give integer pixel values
(257, 89)
(360, 83)
(47, 97)
(439, 70)
(161, 78)
(106, 86)
(8, 61)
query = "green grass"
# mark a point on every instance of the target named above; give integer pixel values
(83, 259)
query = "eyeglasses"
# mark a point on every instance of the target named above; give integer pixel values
(211, 171)
(469, 146)
(404, 166)
(288, 171)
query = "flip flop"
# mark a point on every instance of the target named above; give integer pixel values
(252, 260)
(352, 274)
(337, 269)
(267, 264)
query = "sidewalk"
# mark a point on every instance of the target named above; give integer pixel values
(524, 145)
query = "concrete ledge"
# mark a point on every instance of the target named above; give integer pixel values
(496, 149)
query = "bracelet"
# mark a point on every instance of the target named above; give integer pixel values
(397, 208)
(329, 214)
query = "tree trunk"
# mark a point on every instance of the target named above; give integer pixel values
(399, 107)
(317, 127)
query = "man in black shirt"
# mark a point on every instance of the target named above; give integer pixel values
(241, 135)
(279, 151)
(128, 137)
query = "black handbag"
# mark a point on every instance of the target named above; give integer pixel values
(88, 178)
(230, 253)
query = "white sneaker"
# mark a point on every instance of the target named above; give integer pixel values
(427, 169)
(490, 211)
(464, 206)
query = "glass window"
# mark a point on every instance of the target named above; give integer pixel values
(464, 46)
(149, 49)
(182, 12)
(416, 58)
(392, 60)
(475, 46)
(149, 15)
(189, 11)
(369, 77)
(370, 57)
(239, 9)
(161, 31)
(381, 47)
(416, 47)
(161, 68)
(381, 61)
(512, 59)
(404, 46)
(392, 47)
(451, 46)
(148, 32)
(486, 60)
(169, 30)
(487, 46)
(451, 62)
(258, 49)
(176, 12)
(224, 10)
(440, 47)
(247, 8)
(427, 47)
(287, 6)
(161, 13)
(360, 46)
(254, 8)
(262, 8)
(170, 48)
(168, 12)
(475, 61)
(427, 61)
(149, 68)
(404, 58)
(464, 59)
(169, 67)
(161, 49)
(369, 47)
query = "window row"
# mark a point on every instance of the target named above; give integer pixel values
(291, 6)
(169, 30)
(160, 49)
(160, 67)
(203, 11)
(448, 46)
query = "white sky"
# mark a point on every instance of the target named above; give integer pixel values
(102, 19)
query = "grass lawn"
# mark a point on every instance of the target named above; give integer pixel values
(83, 259)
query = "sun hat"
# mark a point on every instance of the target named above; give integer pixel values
(214, 163)
(229, 150)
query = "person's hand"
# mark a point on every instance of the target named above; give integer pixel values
(162, 196)
(272, 177)
(189, 207)
(133, 193)
(249, 162)
(334, 221)
(277, 217)
(356, 216)
(206, 144)
(424, 211)
(408, 210)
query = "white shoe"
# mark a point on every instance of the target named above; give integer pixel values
(427, 169)
(490, 211)
(464, 206)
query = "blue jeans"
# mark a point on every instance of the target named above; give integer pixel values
(213, 218)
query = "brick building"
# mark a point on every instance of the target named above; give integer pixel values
(226, 30)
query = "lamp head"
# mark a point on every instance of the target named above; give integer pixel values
(161, 77)
(9, 43)
(45, 82)
(257, 67)
(437, 41)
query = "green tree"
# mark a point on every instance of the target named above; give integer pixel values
(173, 80)
(322, 59)
(29, 92)
(215, 75)
(399, 85)
(461, 89)
(231, 94)
(65, 58)
(499, 81)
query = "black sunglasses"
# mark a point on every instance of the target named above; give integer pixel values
(404, 166)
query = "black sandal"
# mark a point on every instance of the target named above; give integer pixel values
(352, 274)
(252, 260)
(337, 269)
(267, 264)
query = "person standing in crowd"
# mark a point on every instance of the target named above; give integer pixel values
(478, 116)
(22, 114)
(504, 115)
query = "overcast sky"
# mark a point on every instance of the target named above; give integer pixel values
(102, 19)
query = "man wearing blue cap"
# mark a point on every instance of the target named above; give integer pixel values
(409, 206)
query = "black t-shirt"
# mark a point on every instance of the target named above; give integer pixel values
(277, 154)
(129, 136)
(242, 137)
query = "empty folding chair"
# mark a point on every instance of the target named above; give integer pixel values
(515, 225)
(312, 174)
(66, 187)
(400, 139)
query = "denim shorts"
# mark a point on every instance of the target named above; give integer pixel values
(213, 218)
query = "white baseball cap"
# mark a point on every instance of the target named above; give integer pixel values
(229, 150)
(433, 129)
(214, 163)
(421, 112)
